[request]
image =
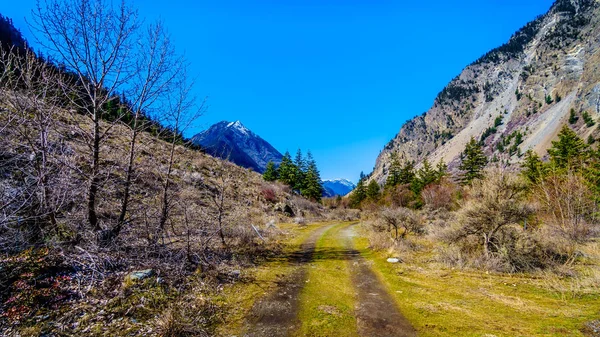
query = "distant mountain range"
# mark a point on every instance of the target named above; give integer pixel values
(336, 187)
(233, 141)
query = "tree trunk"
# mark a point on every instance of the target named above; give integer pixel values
(94, 176)
(128, 177)
(165, 202)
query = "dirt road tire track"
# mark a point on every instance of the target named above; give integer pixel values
(376, 312)
(277, 314)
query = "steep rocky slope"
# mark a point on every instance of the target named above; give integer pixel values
(517, 96)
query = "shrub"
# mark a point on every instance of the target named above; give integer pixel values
(269, 194)
(403, 219)
(587, 118)
(344, 214)
(399, 196)
(487, 222)
(439, 196)
(568, 207)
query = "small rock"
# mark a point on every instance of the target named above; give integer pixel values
(139, 275)
(236, 273)
(393, 260)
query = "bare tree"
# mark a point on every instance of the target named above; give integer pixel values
(93, 39)
(220, 196)
(569, 207)
(182, 111)
(156, 68)
(31, 97)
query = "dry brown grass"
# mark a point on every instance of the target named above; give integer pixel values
(189, 247)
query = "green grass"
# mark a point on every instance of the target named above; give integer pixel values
(240, 297)
(441, 301)
(327, 300)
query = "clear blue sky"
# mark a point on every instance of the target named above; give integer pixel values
(336, 77)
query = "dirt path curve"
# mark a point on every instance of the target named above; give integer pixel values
(376, 312)
(277, 314)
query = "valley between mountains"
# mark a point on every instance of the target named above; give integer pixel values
(120, 217)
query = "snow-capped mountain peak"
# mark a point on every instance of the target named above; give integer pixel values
(342, 181)
(233, 141)
(237, 125)
(338, 187)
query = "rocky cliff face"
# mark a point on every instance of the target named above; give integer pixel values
(517, 96)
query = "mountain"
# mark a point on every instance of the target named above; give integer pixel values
(516, 97)
(233, 141)
(339, 187)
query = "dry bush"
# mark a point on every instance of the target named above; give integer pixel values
(569, 209)
(343, 214)
(489, 227)
(573, 286)
(193, 315)
(268, 193)
(306, 208)
(440, 196)
(381, 239)
(399, 196)
(437, 222)
(403, 219)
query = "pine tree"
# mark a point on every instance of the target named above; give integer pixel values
(532, 166)
(312, 185)
(301, 170)
(393, 178)
(359, 193)
(372, 191)
(592, 172)
(473, 160)
(573, 118)
(287, 170)
(427, 174)
(271, 173)
(441, 170)
(569, 151)
(407, 173)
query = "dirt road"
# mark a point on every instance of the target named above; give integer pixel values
(276, 315)
(375, 311)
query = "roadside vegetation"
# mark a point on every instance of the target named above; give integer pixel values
(514, 251)
(111, 222)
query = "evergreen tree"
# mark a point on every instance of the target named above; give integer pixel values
(407, 173)
(271, 173)
(359, 194)
(312, 185)
(300, 162)
(393, 178)
(441, 170)
(427, 175)
(532, 166)
(301, 170)
(573, 118)
(569, 151)
(287, 170)
(592, 172)
(372, 191)
(473, 160)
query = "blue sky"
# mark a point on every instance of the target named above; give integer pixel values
(336, 77)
